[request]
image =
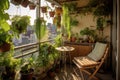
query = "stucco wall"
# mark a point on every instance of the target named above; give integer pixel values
(89, 21)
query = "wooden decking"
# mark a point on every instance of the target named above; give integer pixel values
(70, 74)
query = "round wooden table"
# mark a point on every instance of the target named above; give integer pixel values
(65, 50)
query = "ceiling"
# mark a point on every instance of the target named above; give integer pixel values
(80, 3)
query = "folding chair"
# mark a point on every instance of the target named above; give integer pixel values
(93, 60)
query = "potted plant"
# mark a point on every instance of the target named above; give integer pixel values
(44, 9)
(32, 6)
(90, 34)
(20, 23)
(27, 70)
(47, 56)
(16, 2)
(58, 10)
(11, 65)
(51, 13)
(5, 41)
(25, 3)
(40, 27)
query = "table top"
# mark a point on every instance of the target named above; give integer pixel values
(65, 48)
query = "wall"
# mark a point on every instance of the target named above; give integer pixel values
(89, 21)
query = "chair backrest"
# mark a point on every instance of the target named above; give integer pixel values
(99, 51)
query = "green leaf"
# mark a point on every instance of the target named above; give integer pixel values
(5, 26)
(4, 5)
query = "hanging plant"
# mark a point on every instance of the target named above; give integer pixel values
(25, 3)
(44, 9)
(58, 10)
(51, 13)
(5, 41)
(40, 28)
(66, 21)
(32, 6)
(19, 24)
(16, 2)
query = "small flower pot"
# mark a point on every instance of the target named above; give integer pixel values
(58, 10)
(44, 9)
(5, 47)
(51, 13)
(32, 6)
(25, 3)
(16, 2)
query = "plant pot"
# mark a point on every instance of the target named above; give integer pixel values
(5, 47)
(25, 3)
(16, 2)
(9, 74)
(51, 73)
(51, 13)
(44, 9)
(32, 6)
(27, 76)
(58, 10)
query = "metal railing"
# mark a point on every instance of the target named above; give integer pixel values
(28, 49)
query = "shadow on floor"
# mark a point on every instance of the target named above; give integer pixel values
(69, 74)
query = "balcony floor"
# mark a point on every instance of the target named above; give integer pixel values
(69, 74)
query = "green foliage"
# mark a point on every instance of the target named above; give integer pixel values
(66, 20)
(5, 37)
(40, 28)
(88, 32)
(74, 22)
(4, 5)
(58, 41)
(47, 55)
(20, 23)
(8, 60)
(98, 8)
(100, 22)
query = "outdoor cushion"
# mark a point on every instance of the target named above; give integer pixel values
(98, 51)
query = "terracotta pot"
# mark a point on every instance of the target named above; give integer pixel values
(58, 10)
(5, 47)
(51, 13)
(27, 76)
(32, 6)
(16, 2)
(9, 74)
(25, 3)
(72, 39)
(44, 9)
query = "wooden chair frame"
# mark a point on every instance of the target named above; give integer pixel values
(96, 66)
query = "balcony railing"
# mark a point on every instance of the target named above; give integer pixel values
(28, 49)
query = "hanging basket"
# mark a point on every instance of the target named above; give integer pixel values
(32, 6)
(16, 2)
(44, 9)
(52, 13)
(5, 47)
(25, 3)
(58, 10)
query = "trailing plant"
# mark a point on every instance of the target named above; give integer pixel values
(98, 8)
(20, 23)
(66, 20)
(40, 27)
